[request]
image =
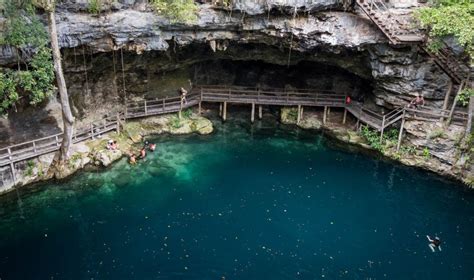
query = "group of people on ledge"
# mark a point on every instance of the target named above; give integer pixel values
(142, 154)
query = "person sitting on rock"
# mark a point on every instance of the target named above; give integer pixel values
(417, 101)
(109, 144)
(152, 147)
(114, 146)
(434, 243)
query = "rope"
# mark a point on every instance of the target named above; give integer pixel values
(123, 77)
(85, 68)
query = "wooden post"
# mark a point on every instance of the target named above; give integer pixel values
(324, 114)
(252, 115)
(302, 110)
(118, 123)
(146, 109)
(224, 111)
(57, 141)
(199, 108)
(344, 116)
(220, 109)
(92, 132)
(260, 112)
(401, 132)
(12, 167)
(358, 119)
(34, 147)
(382, 129)
(9, 154)
(298, 118)
(446, 98)
(453, 107)
(164, 100)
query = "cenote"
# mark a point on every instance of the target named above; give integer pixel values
(261, 201)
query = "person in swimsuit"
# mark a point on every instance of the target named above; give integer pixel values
(434, 243)
(183, 95)
(418, 101)
(142, 153)
(133, 159)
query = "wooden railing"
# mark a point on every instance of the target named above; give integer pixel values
(240, 95)
(41, 146)
(156, 106)
(280, 97)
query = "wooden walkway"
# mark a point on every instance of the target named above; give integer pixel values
(226, 95)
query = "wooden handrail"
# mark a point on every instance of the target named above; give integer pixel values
(155, 106)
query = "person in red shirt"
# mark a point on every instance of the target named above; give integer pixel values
(348, 100)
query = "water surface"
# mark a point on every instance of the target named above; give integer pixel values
(248, 202)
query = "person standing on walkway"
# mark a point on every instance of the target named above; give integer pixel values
(183, 95)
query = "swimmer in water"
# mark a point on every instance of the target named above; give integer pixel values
(133, 159)
(152, 147)
(142, 153)
(434, 243)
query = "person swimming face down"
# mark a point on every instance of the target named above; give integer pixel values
(143, 153)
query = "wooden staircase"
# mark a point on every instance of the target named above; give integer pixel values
(446, 60)
(378, 13)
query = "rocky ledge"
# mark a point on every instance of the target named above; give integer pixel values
(93, 153)
(425, 145)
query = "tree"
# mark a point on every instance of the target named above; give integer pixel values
(68, 119)
(32, 83)
(447, 17)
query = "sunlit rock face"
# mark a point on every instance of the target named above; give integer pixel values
(327, 31)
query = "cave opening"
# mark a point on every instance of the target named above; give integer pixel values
(101, 78)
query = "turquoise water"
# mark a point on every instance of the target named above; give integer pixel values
(248, 202)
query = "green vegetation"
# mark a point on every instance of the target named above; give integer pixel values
(373, 138)
(175, 122)
(465, 95)
(187, 113)
(177, 11)
(34, 81)
(94, 6)
(449, 17)
(30, 165)
(437, 133)
(426, 153)
(74, 159)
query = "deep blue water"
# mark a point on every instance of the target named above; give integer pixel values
(248, 202)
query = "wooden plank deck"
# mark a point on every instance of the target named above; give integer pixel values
(221, 94)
